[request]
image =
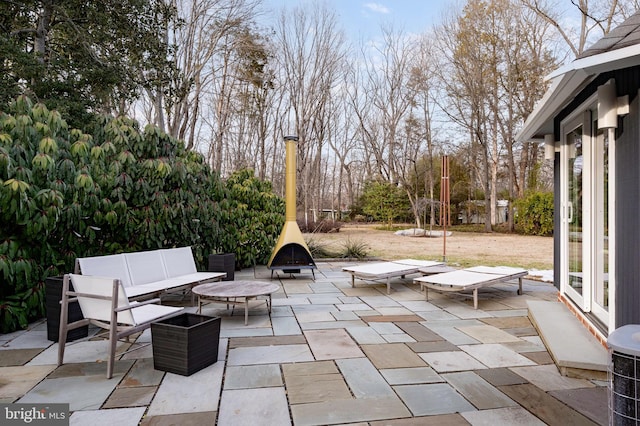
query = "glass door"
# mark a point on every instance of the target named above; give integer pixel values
(572, 195)
(600, 287)
(585, 214)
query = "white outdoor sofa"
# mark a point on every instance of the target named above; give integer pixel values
(147, 274)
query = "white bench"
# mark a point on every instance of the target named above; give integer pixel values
(148, 273)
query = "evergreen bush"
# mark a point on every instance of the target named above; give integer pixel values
(534, 214)
(65, 194)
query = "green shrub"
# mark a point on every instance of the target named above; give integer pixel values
(534, 214)
(354, 249)
(65, 194)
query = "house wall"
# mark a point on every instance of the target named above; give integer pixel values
(627, 179)
(627, 218)
(556, 220)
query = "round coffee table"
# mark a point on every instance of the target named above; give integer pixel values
(223, 291)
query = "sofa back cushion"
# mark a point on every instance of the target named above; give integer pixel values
(178, 261)
(112, 266)
(145, 267)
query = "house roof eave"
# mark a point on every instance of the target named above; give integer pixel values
(564, 87)
(567, 81)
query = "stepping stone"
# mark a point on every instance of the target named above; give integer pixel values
(392, 355)
(544, 406)
(332, 344)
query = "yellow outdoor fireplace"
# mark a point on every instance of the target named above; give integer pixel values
(291, 253)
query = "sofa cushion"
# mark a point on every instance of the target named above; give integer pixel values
(145, 267)
(178, 261)
(113, 266)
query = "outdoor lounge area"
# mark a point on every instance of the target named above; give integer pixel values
(328, 353)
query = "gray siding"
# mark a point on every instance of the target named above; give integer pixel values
(628, 217)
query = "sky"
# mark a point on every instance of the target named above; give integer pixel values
(361, 19)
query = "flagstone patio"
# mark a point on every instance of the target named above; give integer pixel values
(329, 354)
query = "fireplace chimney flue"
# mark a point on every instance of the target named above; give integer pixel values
(291, 253)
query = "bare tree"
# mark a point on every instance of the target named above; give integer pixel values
(596, 18)
(310, 51)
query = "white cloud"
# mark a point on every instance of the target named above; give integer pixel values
(377, 7)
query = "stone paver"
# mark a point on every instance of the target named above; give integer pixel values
(444, 362)
(269, 354)
(488, 334)
(266, 406)
(411, 376)
(514, 416)
(348, 411)
(16, 381)
(478, 391)
(82, 393)
(547, 378)
(431, 399)
(252, 376)
(120, 417)
(332, 344)
(544, 406)
(392, 355)
(495, 355)
(180, 394)
(364, 380)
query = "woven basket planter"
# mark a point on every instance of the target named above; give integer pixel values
(186, 343)
(53, 295)
(225, 262)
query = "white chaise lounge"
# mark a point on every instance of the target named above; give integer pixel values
(387, 270)
(470, 279)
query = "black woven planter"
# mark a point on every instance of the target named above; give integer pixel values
(53, 295)
(186, 343)
(225, 262)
